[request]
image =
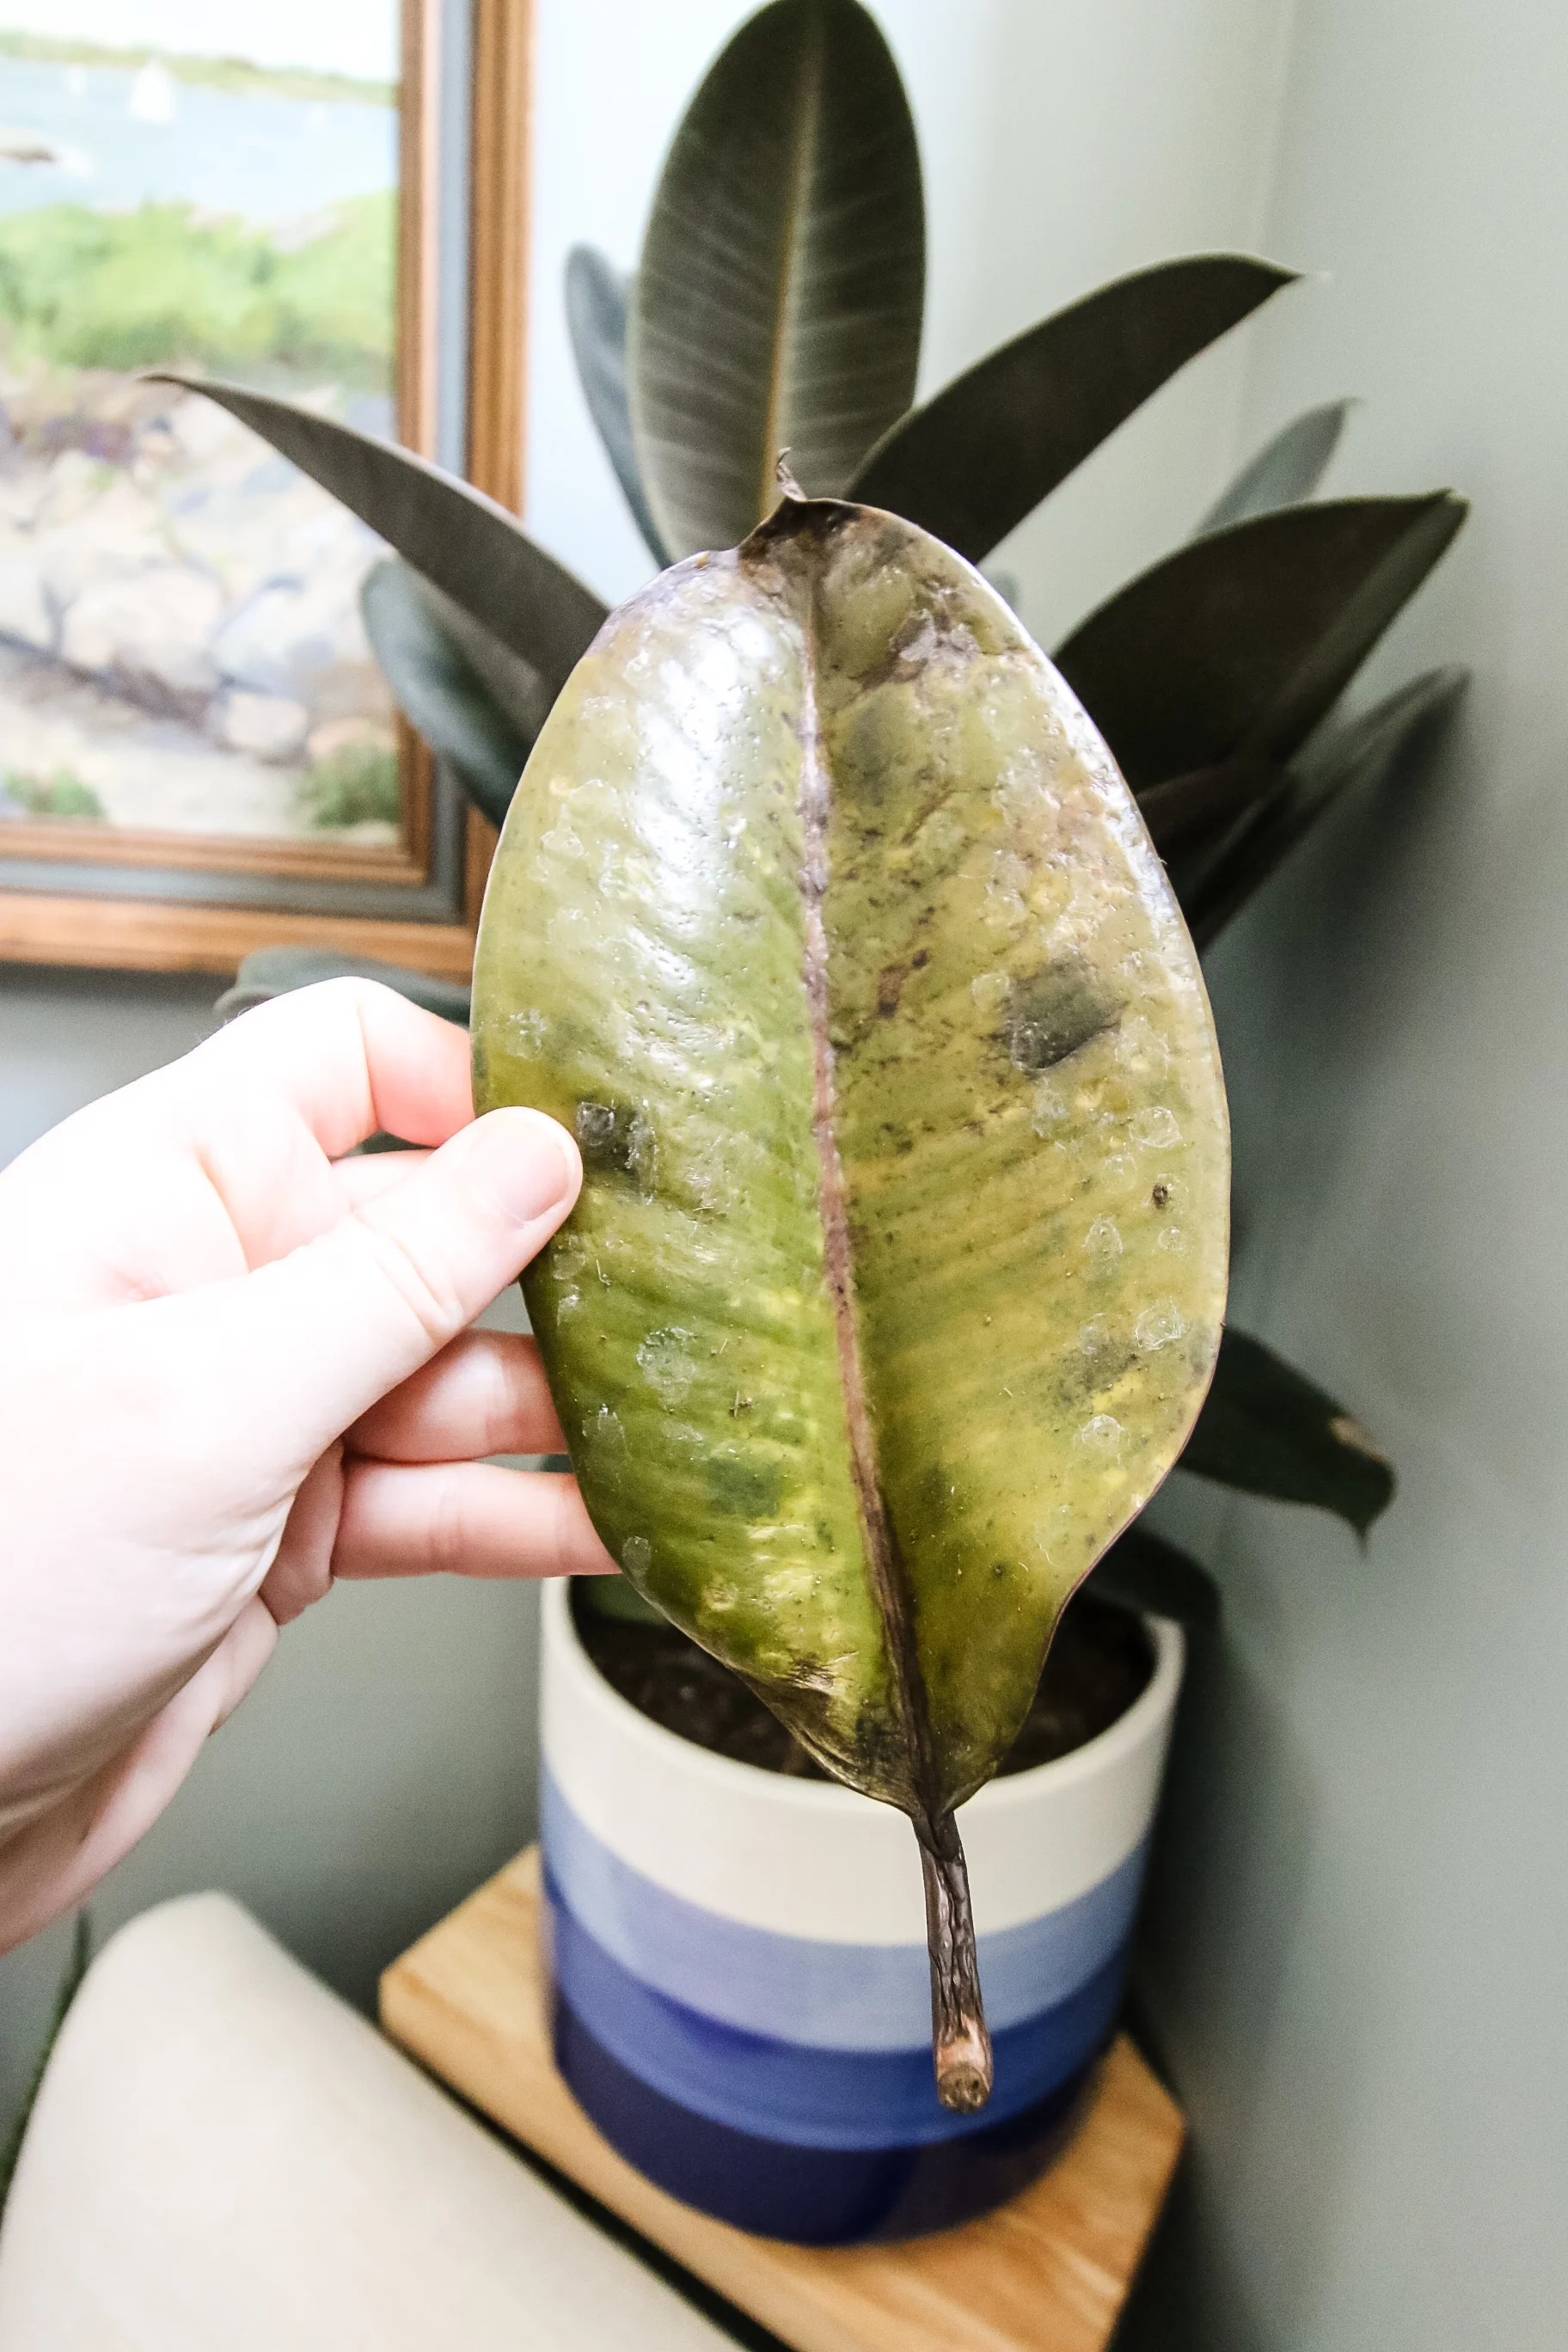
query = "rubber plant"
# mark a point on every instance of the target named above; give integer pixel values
(777, 305)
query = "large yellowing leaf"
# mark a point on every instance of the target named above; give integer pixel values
(824, 919)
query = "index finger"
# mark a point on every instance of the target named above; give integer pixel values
(351, 1056)
(484, 1393)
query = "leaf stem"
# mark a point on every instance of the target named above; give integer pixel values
(960, 2039)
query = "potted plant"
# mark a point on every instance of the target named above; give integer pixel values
(1218, 678)
(738, 1947)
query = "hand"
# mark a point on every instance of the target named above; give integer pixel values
(234, 1364)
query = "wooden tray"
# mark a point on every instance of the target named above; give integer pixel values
(1047, 2273)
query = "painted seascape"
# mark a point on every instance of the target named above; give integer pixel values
(181, 649)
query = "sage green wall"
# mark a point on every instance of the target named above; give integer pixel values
(1357, 1954)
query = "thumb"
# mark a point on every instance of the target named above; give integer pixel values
(314, 1339)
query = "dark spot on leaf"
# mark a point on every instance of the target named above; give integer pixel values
(890, 987)
(1056, 1013)
(615, 1137)
(929, 628)
(742, 1489)
(596, 1124)
(1161, 1195)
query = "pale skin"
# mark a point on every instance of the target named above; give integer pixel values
(237, 1364)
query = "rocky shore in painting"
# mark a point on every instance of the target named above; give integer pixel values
(181, 646)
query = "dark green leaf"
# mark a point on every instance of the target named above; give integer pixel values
(76, 1969)
(278, 971)
(1236, 647)
(596, 318)
(512, 682)
(1366, 749)
(440, 690)
(1363, 752)
(1188, 813)
(1268, 1430)
(971, 463)
(617, 1597)
(1285, 471)
(463, 541)
(779, 298)
(1143, 1571)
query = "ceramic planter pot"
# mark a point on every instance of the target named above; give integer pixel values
(739, 1963)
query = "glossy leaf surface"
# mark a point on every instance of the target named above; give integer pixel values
(779, 296)
(440, 690)
(971, 463)
(465, 543)
(1237, 645)
(1268, 1428)
(825, 921)
(597, 295)
(1285, 470)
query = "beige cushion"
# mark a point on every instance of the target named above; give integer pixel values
(224, 2157)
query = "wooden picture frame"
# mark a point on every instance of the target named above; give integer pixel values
(200, 903)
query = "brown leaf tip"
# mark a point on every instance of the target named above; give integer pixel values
(1358, 1437)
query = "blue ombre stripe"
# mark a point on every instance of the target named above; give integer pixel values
(815, 2196)
(839, 1997)
(812, 2097)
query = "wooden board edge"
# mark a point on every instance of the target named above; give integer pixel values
(500, 203)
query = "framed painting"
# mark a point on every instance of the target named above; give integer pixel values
(198, 755)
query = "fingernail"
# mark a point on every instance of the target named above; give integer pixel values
(525, 1162)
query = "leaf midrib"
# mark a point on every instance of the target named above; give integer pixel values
(807, 139)
(884, 1564)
